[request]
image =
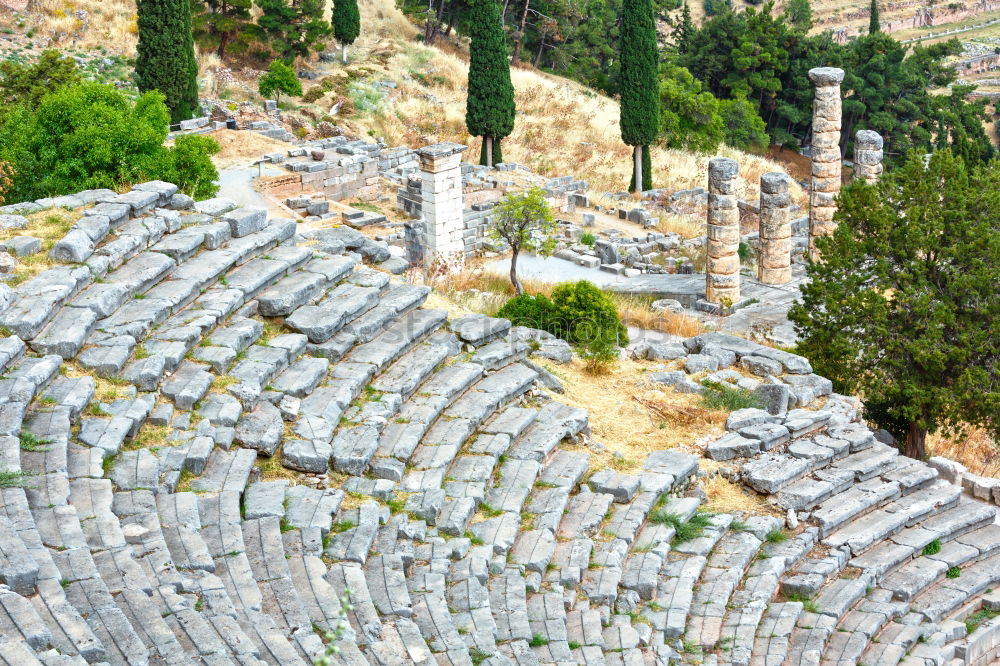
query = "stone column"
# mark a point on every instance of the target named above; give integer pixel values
(774, 256)
(722, 271)
(825, 153)
(868, 156)
(441, 202)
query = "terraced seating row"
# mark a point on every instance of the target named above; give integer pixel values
(273, 425)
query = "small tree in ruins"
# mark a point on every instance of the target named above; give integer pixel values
(489, 106)
(524, 221)
(279, 78)
(903, 307)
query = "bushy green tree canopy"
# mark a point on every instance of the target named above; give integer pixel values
(28, 83)
(165, 59)
(280, 78)
(578, 312)
(691, 118)
(638, 82)
(903, 308)
(92, 136)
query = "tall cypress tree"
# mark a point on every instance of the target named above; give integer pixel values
(639, 103)
(165, 58)
(346, 24)
(489, 107)
(873, 19)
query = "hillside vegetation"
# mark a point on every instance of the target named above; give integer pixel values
(562, 127)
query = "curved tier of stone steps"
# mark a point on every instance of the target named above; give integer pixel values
(897, 559)
(287, 426)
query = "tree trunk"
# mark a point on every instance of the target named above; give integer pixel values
(520, 32)
(429, 26)
(916, 437)
(489, 151)
(223, 41)
(343, 53)
(637, 155)
(513, 272)
(538, 56)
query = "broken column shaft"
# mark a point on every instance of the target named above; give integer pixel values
(774, 257)
(868, 156)
(722, 271)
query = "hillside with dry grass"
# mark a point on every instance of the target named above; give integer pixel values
(409, 94)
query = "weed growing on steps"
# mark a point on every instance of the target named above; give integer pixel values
(729, 398)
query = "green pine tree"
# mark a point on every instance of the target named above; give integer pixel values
(346, 24)
(903, 308)
(489, 108)
(291, 29)
(165, 58)
(684, 29)
(223, 24)
(638, 85)
(799, 13)
(873, 19)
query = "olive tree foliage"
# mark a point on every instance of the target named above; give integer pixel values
(903, 307)
(279, 78)
(524, 221)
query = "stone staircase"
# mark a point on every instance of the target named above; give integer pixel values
(224, 425)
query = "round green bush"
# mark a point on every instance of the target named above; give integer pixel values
(578, 312)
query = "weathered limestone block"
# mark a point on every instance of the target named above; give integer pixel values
(868, 156)
(722, 273)
(826, 158)
(774, 259)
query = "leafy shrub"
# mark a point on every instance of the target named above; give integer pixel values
(194, 172)
(578, 312)
(90, 136)
(588, 239)
(527, 310)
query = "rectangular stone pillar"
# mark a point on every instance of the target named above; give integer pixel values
(868, 156)
(774, 258)
(441, 202)
(826, 158)
(722, 269)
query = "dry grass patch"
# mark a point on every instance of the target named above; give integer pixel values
(107, 390)
(474, 290)
(629, 416)
(271, 468)
(149, 437)
(724, 496)
(48, 225)
(977, 451)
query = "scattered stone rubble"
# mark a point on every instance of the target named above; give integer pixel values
(424, 472)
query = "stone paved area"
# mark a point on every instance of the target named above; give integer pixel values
(427, 475)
